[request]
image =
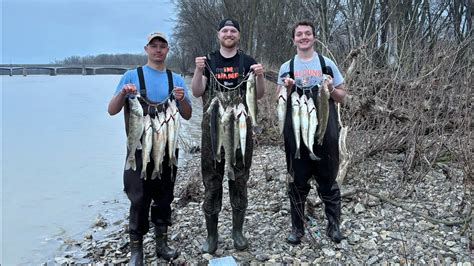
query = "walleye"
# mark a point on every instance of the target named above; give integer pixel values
(220, 132)
(135, 131)
(304, 117)
(175, 124)
(323, 111)
(228, 139)
(295, 115)
(251, 98)
(171, 133)
(147, 143)
(313, 124)
(281, 108)
(236, 134)
(160, 128)
(241, 116)
(214, 124)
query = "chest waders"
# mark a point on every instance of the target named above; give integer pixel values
(213, 172)
(324, 170)
(141, 192)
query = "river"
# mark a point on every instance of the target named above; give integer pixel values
(62, 160)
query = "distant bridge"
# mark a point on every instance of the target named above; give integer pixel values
(54, 69)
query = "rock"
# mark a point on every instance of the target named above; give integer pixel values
(261, 257)
(374, 234)
(207, 256)
(370, 245)
(359, 208)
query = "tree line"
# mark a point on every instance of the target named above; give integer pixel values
(105, 59)
(385, 31)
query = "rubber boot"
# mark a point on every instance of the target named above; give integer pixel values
(136, 250)
(162, 248)
(332, 208)
(210, 246)
(297, 223)
(240, 242)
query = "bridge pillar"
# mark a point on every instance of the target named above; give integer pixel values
(53, 71)
(11, 71)
(93, 71)
(24, 71)
(84, 71)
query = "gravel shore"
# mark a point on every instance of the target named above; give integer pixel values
(394, 222)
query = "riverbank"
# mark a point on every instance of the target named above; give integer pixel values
(377, 230)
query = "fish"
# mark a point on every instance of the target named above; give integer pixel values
(242, 122)
(251, 99)
(160, 128)
(176, 124)
(313, 124)
(213, 112)
(281, 108)
(304, 123)
(171, 133)
(220, 132)
(236, 135)
(227, 140)
(135, 131)
(147, 143)
(295, 115)
(323, 111)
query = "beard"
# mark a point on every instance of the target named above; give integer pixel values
(229, 43)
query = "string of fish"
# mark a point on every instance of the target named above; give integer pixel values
(309, 119)
(153, 135)
(228, 120)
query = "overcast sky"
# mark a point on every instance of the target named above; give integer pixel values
(42, 31)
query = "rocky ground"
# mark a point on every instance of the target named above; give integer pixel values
(398, 223)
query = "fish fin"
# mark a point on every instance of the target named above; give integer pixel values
(231, 175)
(154, 174)
(143, 174)
(131, 163)
(139, 146)
(314, 157)
(297, 154)
(320, 141)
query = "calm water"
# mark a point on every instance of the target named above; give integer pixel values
(62, 160)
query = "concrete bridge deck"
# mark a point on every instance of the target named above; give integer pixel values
(54, 69)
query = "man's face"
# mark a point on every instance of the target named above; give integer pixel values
(303, 38)
(157, 50)
(228, 37)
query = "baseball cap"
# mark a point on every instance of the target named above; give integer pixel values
(228, 22)
(154, 35)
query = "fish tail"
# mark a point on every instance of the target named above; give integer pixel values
(131, 163)
(314, 157)
(297, 153)
(143, 174)
(230, 174)
(320, 140)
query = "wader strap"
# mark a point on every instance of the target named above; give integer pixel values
(141, 79)
(292, 68)
(325, 69)
(170, 83)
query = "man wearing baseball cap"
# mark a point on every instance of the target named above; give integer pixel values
(155, 84)
(226, 67)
